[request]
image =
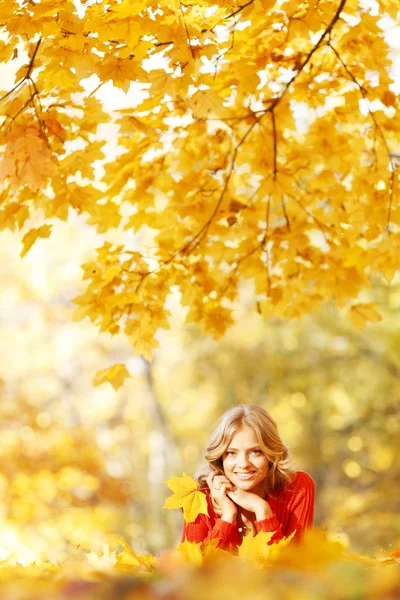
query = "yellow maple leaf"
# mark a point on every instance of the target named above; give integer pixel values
(256, 549)
(316, 551)
(27, 160)
(13, 216)
(145, 346)
(30, 238)
(187, 496)
(191, 552)
(121, 71)
(132, 558)
(361, 313)
(115, 375)
(211, 552)
(101, 562)
(207, 103)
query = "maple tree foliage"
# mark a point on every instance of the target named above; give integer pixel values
(213, 162)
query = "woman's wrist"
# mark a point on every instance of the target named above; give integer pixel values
(263, 511)
(229, 517)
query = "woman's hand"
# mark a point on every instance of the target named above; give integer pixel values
(251, 502)
(219, 486)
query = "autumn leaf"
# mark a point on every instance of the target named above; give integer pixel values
(27, 159)
(256, 549)
(115, 375)
(191, 552)
(208, 104)
(388, 98)
(393, 557)
(316, 552)
(130, 558)
(187, 496)
(104, 561)
(360, 314)
(145, 345)
(120, 71)
(33, 234)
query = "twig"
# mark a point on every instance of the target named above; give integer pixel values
(283, 204)
(187, 30)
(30, 66)
(69, 555)
(264, 243)
(13, 90)
(319, 223)
(239, 9)
(275, 145)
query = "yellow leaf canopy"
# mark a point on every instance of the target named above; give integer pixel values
(253, 141)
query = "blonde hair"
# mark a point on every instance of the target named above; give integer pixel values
(280, 472)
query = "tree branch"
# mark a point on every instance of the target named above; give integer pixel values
(239, 9)
(30, 67)
(187, 30)
(200, 235)
(378, 128)
(275, 145)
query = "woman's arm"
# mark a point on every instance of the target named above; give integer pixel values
(201, 531)
(205, 529)
(301, 507)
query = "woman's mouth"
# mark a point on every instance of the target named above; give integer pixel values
(245, 476)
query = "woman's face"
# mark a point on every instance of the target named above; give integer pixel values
(245, 464)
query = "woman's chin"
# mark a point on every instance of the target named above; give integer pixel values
(244, 485)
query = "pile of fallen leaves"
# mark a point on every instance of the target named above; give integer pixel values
(321, 568)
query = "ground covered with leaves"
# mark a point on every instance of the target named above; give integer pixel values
(321, 568)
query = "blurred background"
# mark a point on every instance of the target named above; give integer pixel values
(83, 465)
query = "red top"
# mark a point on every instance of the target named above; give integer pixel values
(293, 509)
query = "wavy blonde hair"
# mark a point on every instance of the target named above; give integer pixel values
(280, 472)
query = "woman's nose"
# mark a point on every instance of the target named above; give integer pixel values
(243, 460)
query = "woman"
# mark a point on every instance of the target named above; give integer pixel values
(249, 484)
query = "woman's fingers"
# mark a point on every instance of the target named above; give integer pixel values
(219, 484)
(220, 479)
(222, 489)
(210, 478)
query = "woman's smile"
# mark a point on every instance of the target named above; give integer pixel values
(245, 475)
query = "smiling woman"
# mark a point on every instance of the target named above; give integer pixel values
(249, 483)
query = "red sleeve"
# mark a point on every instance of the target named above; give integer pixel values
(202, 530)
(301, 509)
(199, 531)
(268, 525)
